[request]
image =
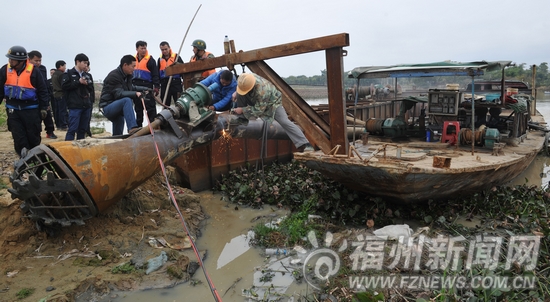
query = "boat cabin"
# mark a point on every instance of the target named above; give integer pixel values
(438, 107)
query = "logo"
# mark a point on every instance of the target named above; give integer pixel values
(323, 262)
(453, 255)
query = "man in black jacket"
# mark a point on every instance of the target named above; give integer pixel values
(26, 94)
(35, 57)
(78, 89)
(117, 95)
(61, 115)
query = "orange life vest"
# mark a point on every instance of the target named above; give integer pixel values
(205, 73)
(142, 72)
(163, 63)
(19, 86)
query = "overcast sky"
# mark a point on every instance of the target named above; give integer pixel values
(381, 32)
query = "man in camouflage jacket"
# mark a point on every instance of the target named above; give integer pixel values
(258, 98)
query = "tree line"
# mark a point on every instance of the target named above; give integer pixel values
(520, 72)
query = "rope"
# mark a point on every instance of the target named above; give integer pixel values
(184, 224)
(178, 53)
(465, 136)
(263, 150)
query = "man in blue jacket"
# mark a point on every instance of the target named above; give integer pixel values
(222, 84)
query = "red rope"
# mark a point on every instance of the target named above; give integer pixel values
(173, 199)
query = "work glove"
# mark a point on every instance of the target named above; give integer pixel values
(156, 90)
(43, 114)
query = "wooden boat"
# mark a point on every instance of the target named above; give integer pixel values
(394, 160)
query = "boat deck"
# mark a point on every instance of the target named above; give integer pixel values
(410, 170)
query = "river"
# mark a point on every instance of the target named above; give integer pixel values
(230, 258)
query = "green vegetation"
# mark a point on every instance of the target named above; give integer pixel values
(3, 118)
(3, 184)
(97, 130)
(290, 230)
(501, 212)
(24, 293)
(125, 268)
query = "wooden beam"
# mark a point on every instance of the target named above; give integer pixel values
(283, 50)
(289, 95)
(336, 100)
(296, 107)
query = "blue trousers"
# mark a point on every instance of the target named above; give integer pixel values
(79, 121)
(60, 114)
(119, 111)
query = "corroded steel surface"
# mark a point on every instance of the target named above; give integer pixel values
(68, 182)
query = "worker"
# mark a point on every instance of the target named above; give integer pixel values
(257, 97)
(200, 53)
(146, 74)
(175, 88)
(222, 84)
(27, 99)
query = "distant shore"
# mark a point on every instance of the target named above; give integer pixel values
(311, 92)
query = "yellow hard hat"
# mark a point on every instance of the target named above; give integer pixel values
(245, 83)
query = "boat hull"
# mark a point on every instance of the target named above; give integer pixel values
(407, 184)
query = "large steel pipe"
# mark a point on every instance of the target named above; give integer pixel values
(68, 182)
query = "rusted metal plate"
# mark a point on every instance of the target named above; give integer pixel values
(220, 151)
(203, 167)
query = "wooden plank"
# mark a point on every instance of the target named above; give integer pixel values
(337, 112)
(283, 50)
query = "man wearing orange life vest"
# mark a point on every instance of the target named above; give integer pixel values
(199, 49)
(27, 99)
(166, 59)
(146, 74)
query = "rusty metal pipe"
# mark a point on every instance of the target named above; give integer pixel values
(65, 183)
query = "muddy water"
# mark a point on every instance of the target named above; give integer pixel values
(538, 173)
(227, 225)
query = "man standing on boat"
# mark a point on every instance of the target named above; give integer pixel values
(200, 53)
(145, 74)
(27, 99)
(166, 59)
(257, 97)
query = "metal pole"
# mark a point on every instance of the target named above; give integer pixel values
(534, 90)
(355, 109)
(473, 115)
(178, 54)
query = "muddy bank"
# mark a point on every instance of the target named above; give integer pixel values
(81, 258)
